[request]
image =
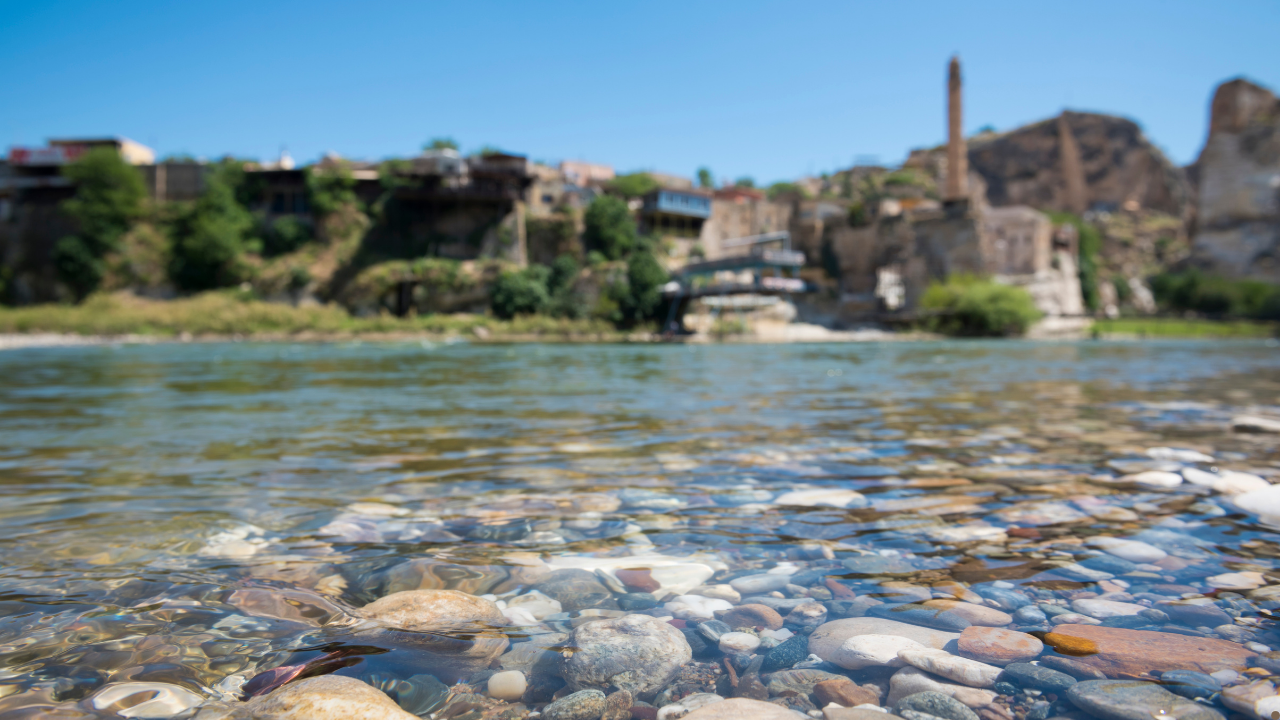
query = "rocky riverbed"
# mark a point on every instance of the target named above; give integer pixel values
(1060, 548)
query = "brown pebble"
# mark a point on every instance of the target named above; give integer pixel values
(750, 615)
(998, 646)
(843, 691)
(638, 580)
(617, 706)
(644, 712)
(1077, 670)
(1031, 533)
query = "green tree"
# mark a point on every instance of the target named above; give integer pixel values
(331, 188)
(608, 227)
(285, 235)
(971, 306)
(705, 179)
(520, 292)
(639, 299)
(565, 301)
(108, 200)
(634, 185)
(212, 237)
(745, 181)
(441, 143)
(786, 189)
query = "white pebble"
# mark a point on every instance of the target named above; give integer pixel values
(508, 685)
(737, 642)
(1154, 478)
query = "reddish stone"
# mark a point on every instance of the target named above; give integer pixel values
(1172, 563)
(845, 692)
(751, 615)
(638, 580)
(677, 622)
(1031, 533)
(997, 646)
(644, 712)
(838, 591)
(1137, 653)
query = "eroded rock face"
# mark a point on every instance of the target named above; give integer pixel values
(1238, 208)
(636, 653)
(328, 697)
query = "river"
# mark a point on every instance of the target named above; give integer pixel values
(192, 515)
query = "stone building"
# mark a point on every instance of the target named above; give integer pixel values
(1238, 211)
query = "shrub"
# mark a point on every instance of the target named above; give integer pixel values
(970, 306)
(285, 235)
(1089, 247)
(328, 189)
(608, 228)
(108, 200)
(520, 292)
(1212, 295)
(212, 237)
(634, 185)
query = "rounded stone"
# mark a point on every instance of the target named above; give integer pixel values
(828, 637)
(751, 615)
(462, 631)
(975, 614)
(328, 697)
(575, 589)
(636, 653)
(1037, 677)
(791, 651)
(1190, 684)
(843, 692)
(737, 642)
(863, 651)
(1099, 609)
(935, 704)
(741, 708)
(637, 601)
(1134, 551)
(582, 705)
(1135, 700)
(507, 685)
(758, 584)
(997, 646)
(952, 667)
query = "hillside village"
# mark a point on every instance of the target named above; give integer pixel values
(1080, 210)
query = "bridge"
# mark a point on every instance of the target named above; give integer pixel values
(771, 274)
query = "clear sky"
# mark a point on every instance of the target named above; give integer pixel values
(774, 90)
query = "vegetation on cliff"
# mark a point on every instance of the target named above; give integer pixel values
(1213, 296)
(108, 201)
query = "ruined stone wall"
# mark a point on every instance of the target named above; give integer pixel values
(1238, 210)
(734, 219)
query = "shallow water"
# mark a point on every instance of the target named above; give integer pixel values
(160, 501)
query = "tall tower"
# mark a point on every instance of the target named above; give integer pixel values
(957, 154)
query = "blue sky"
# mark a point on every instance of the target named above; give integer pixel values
(773, 90)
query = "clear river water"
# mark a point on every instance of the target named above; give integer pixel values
(179, 521)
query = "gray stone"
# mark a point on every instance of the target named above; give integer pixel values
(1191, 615)
(935, 704)
(637, 601)
(576, 589)
(1010, 600)
(1037, 677)
(754, 584)
(1135, 700)
(582, 705)
(328, 697)
(920, 615)
(636, 653)
(713, 629)
(790, 652)
(1190, 684)
(1029, 615)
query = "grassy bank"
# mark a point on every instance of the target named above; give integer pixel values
(228, 313)
(1177, 328)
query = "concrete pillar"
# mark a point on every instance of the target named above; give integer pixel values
(957, 151)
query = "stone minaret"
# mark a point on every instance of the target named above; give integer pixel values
(957, 153)
(1072, 167)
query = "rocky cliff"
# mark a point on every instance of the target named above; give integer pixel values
(1073, 162)
(1238, 210)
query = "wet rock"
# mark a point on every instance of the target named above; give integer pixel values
(974, 614)
(689, 607)
(459, 631)
(1195, 614)
(1037, 677)
(878, 565)
(952, 667)
(1237, 581)
(843, 691)
(713, 629)
(687, 704)
(576, 590)
(828, 637)
(1080, 573)
(1096, 608)
(863, 651)
(1029, 615)
(508, 685)
(1251, 698)
(997, 646)
(617, 706)
(1109, 564)
(1134, 700)
(582, 705)
(777, 604)
(736, 642)
(1116, 651)
(855, 607)
(935, 704)
(637, 601)
(1190, 684)
(798, 682)
(417, 695)
(790, 652)
(857, 713)
(636, 653)
(147, 699)
(919, 614)
(1010, 600)
(328, 697)
(822, 497)
(741, 708)
(1077, 670)
(757, 584)
(807, 615)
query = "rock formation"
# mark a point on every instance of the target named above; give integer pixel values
(1238, 209)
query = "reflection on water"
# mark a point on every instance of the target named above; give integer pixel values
(196, 515)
